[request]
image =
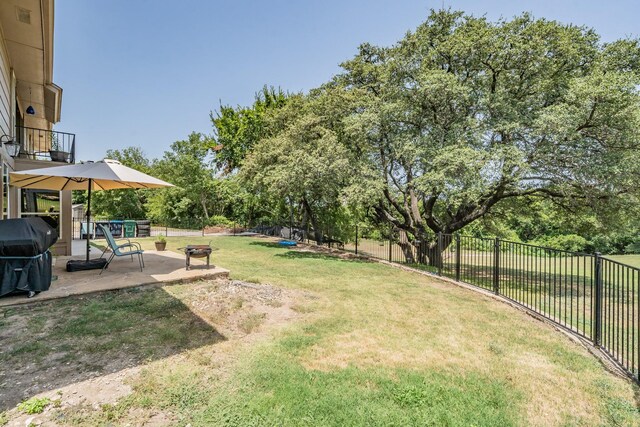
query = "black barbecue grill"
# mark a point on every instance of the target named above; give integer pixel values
(25, 259)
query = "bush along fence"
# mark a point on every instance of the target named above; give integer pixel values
(591, 296)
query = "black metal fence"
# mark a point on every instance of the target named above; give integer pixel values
(140, 228)
(294, 233)
(591, 296)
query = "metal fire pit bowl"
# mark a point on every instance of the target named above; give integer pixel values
(197, 251)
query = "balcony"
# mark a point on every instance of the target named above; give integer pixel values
(47, 145)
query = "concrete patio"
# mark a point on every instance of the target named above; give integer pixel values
(160, 267)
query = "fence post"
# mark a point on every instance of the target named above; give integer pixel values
(597, 333)
(439, 256)
(458, 246)
(496, 266)
(356, 239)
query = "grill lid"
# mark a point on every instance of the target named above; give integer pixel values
(26, 237)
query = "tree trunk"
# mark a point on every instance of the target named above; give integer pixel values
(204, 207)
(436, 250)
(314, 223)
(422, 251)
(435, 255)
(407, 247)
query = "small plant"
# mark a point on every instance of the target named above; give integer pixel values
(251, 322)
(55, 143)
(410, 396)
(57, 150)
(161, 242)
(237, 303)
(35, 405)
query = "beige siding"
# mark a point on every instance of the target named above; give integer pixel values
(5, 121)
(5, 92)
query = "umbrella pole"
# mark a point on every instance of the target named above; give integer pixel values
(88, 219)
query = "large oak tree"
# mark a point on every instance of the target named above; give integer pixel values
(464, 113)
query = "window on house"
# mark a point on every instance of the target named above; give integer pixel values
(42, 203)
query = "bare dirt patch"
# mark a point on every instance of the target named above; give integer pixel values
(83, 358)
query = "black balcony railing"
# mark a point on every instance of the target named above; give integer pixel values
(49, 145)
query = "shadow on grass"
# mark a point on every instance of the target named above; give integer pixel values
(321, 255)
(267, 244)
(50, 345)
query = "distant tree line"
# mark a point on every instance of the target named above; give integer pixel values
(526, 129)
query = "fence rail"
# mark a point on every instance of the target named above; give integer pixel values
(146, 229)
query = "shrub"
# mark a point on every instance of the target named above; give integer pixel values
(615, 243)
(220, 221)
(633, 248)
(564, 242)
(373, 234)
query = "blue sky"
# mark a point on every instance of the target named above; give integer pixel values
(148, 72)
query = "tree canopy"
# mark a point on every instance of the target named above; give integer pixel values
(463, 114)
(237, 130)
(520, 123)
(303, 162)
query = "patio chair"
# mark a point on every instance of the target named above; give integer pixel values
(83, 230)
(130, 248)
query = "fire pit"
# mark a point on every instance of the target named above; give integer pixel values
(197, 251)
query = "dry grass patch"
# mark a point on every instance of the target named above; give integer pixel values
(251, 322)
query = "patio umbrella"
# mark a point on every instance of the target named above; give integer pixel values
(103, 175)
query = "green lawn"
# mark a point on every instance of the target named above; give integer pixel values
(556, 284)
(632, 260)
(373, 346)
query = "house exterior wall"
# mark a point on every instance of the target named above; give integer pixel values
(7, 92)
(7, 100)
(9, 84)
